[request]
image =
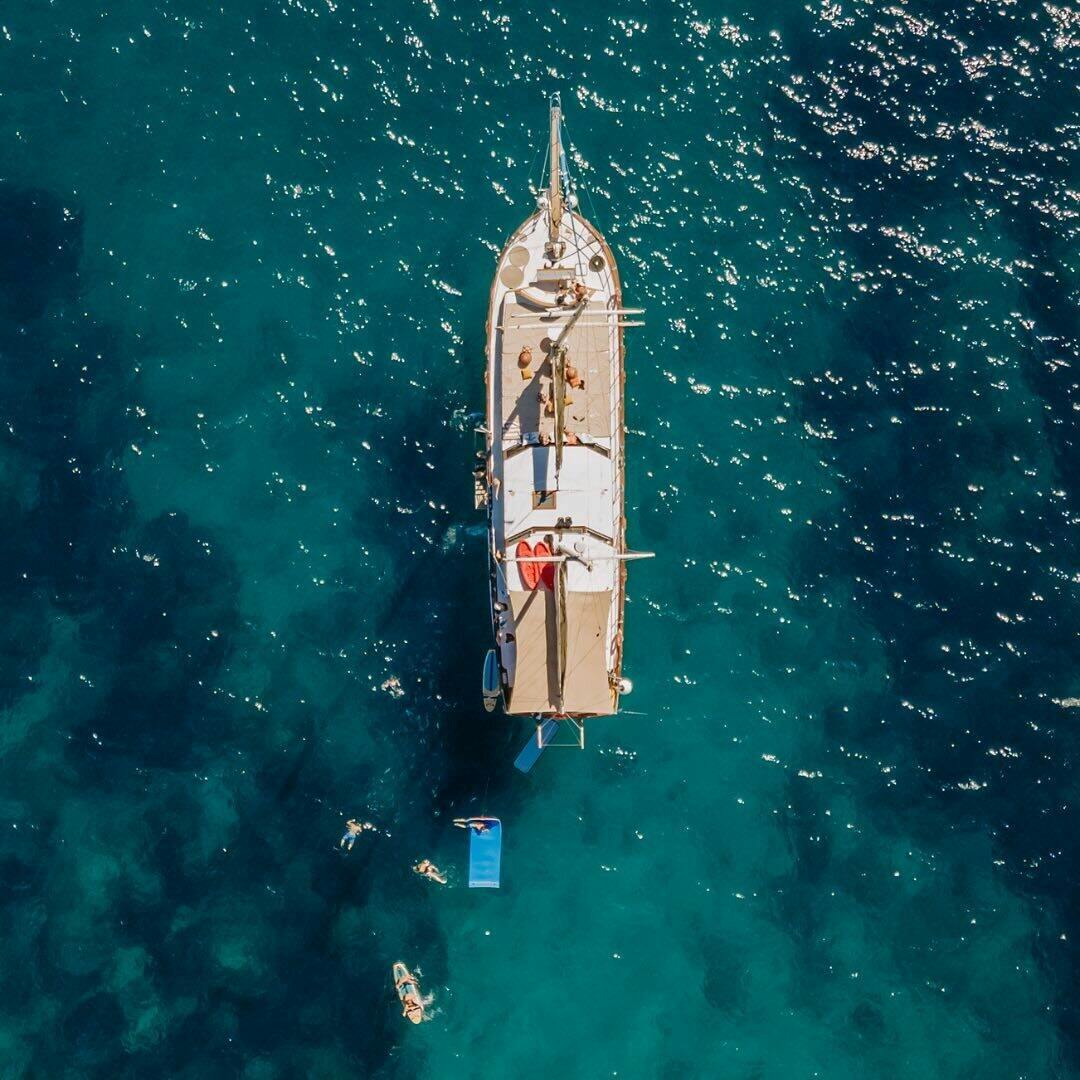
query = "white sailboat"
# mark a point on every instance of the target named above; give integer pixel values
(553, 478)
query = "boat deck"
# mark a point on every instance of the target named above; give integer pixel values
(588, 349)
(580, 511)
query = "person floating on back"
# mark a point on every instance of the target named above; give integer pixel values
(426, 868)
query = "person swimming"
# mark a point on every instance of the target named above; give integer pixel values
(476, 824)
(352, 830)
(426, 868)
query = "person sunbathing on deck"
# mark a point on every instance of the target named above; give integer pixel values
(574, 379)
(525, 362)
(581, 292)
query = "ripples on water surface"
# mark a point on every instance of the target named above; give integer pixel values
(244, 262)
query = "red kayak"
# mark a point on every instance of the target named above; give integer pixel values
(547, 570)
(530, 571)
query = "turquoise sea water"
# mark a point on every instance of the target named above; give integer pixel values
(245, 253)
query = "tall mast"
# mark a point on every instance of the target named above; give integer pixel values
(555, 199)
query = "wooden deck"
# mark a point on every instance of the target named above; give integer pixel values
(588, 349)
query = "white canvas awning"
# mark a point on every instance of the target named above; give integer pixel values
(586, 689)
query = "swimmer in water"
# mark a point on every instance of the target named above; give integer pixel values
(472, 823)
(352, 830)
(426, 868)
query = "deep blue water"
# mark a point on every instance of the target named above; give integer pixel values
(245, 253)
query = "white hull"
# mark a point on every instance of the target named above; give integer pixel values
(576, 508)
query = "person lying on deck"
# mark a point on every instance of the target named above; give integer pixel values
(574, 379)
(581, 292)
(525, 362)
(548, 402)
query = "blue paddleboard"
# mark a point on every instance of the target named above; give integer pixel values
(534, 747)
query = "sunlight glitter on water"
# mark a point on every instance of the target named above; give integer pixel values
(246, 595)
